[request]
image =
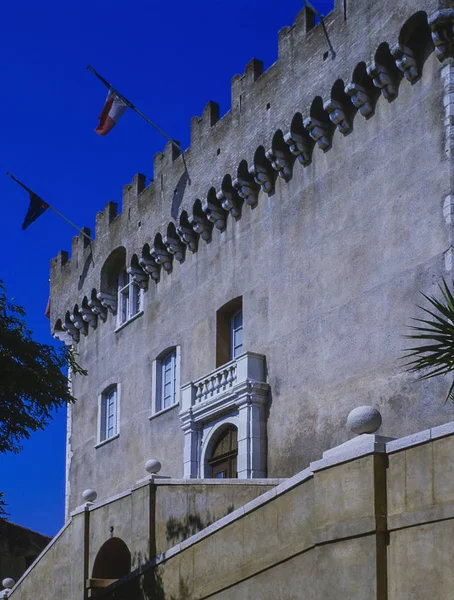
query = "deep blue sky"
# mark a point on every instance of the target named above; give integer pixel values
(169, 58)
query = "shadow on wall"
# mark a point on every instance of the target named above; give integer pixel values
(178, 530)
(147, 587)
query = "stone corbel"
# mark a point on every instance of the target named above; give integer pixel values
(280, 163)
(175, 247)
(201, 226)
(230, 202)
(89, 316)
(162, 257)
(188, 237)
(150, 266)
(63, 336)
(319, 132)
(338, 116)
(78, 322)
(406, 62)
(262, 178)
(215, 214)
(71, 330)
(383, 80)
(246, 190)
(360, 98)
(299, 148)
(139, 277)
(97, 308)
(441, 25)
(108, 301)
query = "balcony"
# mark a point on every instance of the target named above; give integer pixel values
(234, 394)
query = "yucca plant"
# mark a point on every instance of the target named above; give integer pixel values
(436, 357)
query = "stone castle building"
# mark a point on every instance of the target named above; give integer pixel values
(240, 306)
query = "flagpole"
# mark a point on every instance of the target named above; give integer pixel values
(52, 208)
(135, 109)
(322, 21)
(69, 222)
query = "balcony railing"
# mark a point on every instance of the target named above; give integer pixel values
(223, 381)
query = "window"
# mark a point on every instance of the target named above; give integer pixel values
(168, 379)
(166, 375)
(229, 331)
(108, 414)
(236, 335)
(129, 298)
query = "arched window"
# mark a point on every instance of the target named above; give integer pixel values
(108, 413)
(129, 298)
(223, 459)
(166, 380)
(236, 334)
(229, 331)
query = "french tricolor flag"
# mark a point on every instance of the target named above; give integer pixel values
(111, 113)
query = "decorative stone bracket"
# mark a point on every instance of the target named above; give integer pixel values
(319, 132)
(201, 226)
(150, 266)
(71, 330)
(175, 247)
(215, 214)
(89, 316)
(78, 322)
(360, 98)
(280, 163)
(139, 277)
(338, 116)
(109, 301)
(188, 237)
(262, 177)
(406, 62)
(97, 308)
(441, 24)
(162, 257)
(230, 202)
(299, 147)
(383, 80)
(246, 190)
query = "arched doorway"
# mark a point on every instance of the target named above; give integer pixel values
(112, 562)
(223, 459)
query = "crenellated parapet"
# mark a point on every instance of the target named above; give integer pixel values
(281, 120)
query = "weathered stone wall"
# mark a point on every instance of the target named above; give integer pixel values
(329, 264)
(371, 520)
(152, 518)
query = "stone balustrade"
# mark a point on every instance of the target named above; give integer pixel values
(247, 368)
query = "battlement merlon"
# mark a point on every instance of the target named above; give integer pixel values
(264, 104)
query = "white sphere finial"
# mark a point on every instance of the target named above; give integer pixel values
(364, 419)
(89, 495)
(8, 583)
(153, 466)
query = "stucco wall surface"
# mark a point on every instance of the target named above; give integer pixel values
(329, 265)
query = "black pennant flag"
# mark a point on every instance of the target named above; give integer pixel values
(37, 205)
(36, 209)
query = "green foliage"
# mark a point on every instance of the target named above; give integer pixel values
(3, 512)
(435, 355)
(32, 383)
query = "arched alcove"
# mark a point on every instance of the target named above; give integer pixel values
(416, 38)
(113, 560)
(114, 265)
